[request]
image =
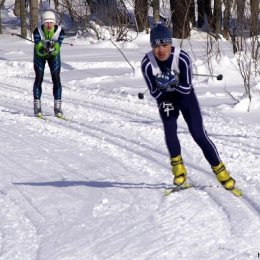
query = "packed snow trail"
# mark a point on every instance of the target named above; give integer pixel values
(93, 186)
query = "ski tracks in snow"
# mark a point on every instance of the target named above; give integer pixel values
(126, 196)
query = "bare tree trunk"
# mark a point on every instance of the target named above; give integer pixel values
(23, 18)
(2, 2)
(180, 18)
(254, 17)
(33, 14)
(141, 13)
(192, 13)
(208, 11)
(217, 17)
(90, 4)
(17, 8)
(227, 4)
(201, 12)
(156, 11)
(1, 28)
(56, 4)
(240, 17)
(69, 8)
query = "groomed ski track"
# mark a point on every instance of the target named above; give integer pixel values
(93, 186)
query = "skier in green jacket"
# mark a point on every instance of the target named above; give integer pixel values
(48, 39)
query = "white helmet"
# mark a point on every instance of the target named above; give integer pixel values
(48, 16)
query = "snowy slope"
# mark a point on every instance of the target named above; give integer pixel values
(92, 187)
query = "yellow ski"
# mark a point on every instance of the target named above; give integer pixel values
(236, 192)
(184, 186)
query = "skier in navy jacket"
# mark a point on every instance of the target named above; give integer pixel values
(167, 71)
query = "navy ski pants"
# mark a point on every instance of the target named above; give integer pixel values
(169, 108)
(39, 66)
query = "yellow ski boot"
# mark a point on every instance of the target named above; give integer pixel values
(223, 176)
(226, 180)
(178, 170)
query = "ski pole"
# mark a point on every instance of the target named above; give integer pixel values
(141, 94)
(123, 55)
(20, 36)
(219, 77)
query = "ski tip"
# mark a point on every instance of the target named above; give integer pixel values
(237, 192)
(184, 186)
(40, 116)
(61, 117)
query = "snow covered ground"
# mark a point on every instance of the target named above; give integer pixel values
(92, 187)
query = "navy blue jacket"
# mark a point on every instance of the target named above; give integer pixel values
(185, 76)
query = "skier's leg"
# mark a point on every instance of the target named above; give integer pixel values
(193, 117)
(169, 115)
(55, 65)
(39, 65)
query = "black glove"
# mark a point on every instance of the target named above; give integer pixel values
(48, 47)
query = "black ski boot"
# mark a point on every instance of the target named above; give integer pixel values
(57, 109)
(37, 108)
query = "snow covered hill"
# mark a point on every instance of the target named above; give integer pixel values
(92, 187)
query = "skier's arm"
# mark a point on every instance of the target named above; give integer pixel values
(185, 76)
(39, 48)
(150, 79)
(58, 44)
